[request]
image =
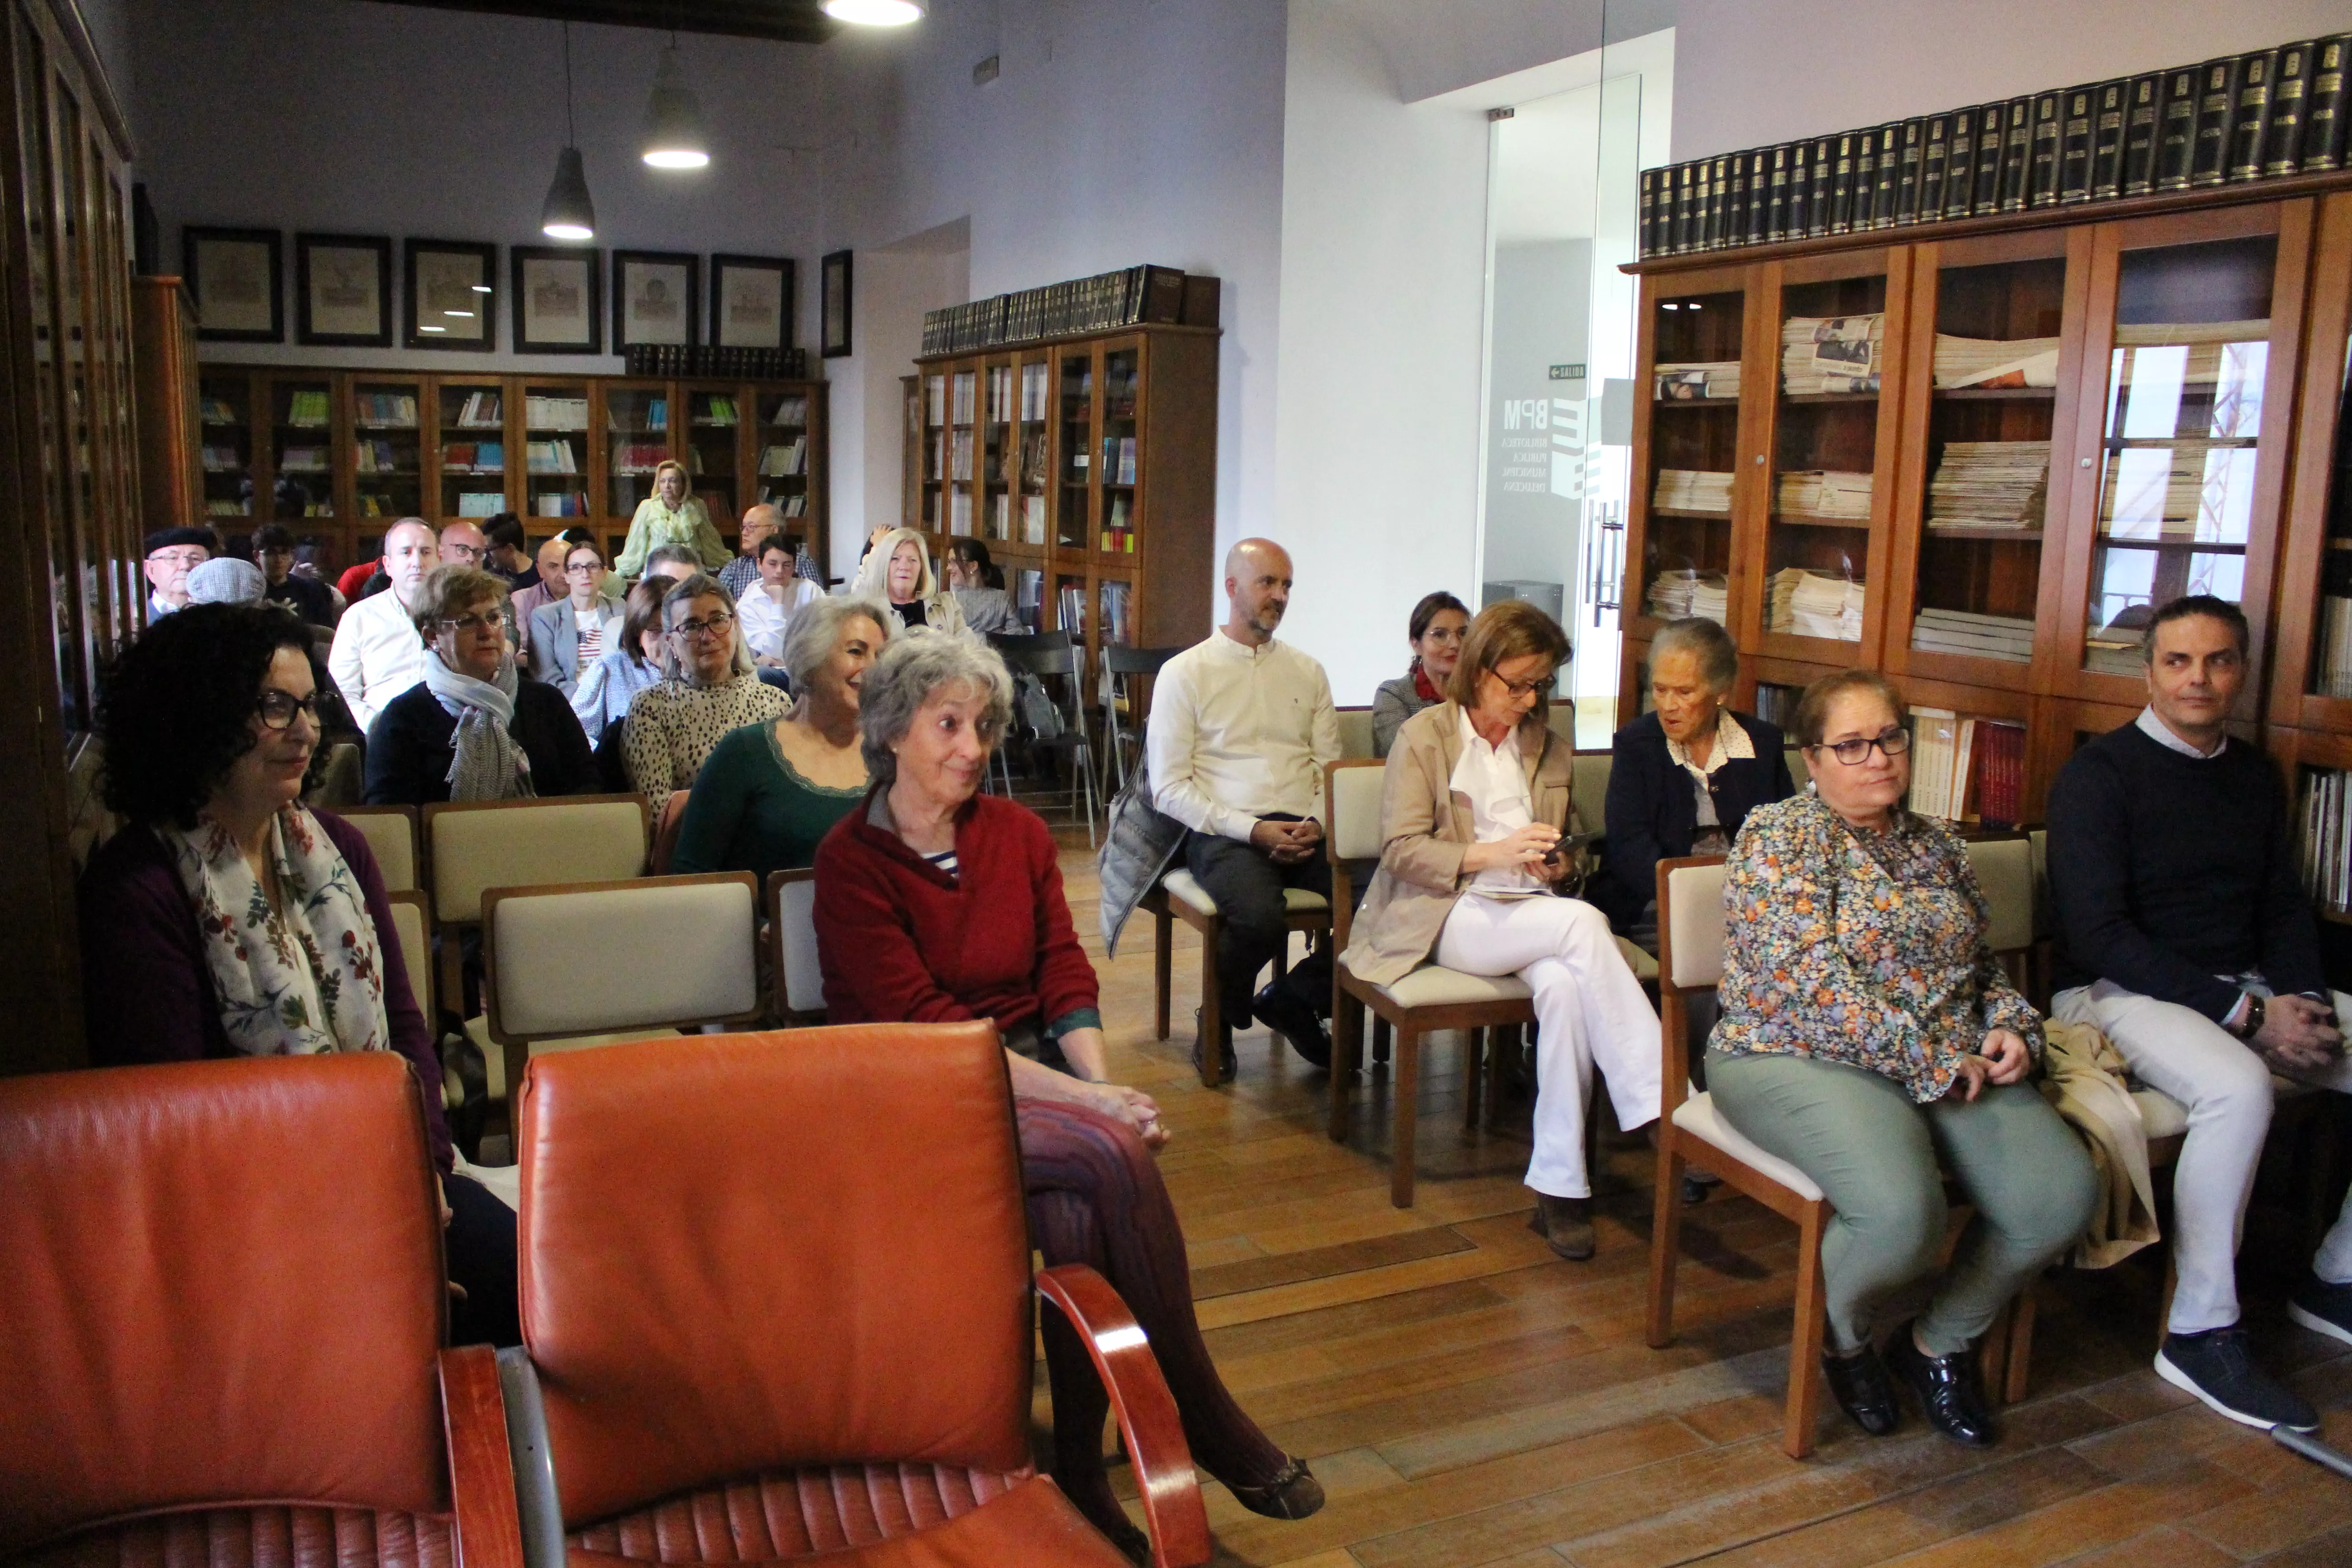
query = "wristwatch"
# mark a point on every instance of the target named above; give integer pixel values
(2252, 1025)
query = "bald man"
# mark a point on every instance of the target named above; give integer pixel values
(1240, 727)
(760, 523)
(462, 544)
(377, 653)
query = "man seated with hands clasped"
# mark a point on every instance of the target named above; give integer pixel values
(2186, 938)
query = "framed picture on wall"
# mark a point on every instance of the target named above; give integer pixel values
(750, 302)
(342, 291)
(657, 298)
(238, 278)
(834, 325)
(453, 294)
(558, 301)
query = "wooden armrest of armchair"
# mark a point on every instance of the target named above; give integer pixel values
(481, 1473)
(1178, 1522)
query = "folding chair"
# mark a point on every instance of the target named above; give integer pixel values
(792, 925)
(1122, 669)
(1065, 664)
(391, 838)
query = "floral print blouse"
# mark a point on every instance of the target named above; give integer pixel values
(1866, 949)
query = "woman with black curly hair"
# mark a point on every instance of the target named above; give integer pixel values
(226, 919)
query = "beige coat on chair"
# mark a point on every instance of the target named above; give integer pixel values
(1425, 829)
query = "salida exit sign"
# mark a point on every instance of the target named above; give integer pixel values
(1567, 373)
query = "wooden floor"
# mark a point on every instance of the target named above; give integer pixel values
(1466, 1398)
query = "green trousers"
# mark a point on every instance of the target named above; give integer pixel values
(1877, 1157)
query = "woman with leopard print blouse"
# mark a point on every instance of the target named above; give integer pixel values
(708, 688)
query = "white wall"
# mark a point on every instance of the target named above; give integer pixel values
(1762, 71)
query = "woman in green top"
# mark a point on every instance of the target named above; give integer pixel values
(769, 791)
(671, 515)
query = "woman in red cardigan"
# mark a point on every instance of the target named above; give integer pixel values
(935, 904)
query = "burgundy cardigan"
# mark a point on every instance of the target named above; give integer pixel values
(898, 941)
(147, 994)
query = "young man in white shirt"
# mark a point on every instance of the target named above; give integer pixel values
(377, 653)
(1240, 727)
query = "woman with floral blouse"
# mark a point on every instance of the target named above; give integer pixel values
(1870, 1038)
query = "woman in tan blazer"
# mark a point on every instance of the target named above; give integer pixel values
(1474, 802)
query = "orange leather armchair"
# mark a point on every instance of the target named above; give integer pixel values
(776, 1292)
(223, 1303)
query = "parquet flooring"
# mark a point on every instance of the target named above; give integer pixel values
(1469, 1401)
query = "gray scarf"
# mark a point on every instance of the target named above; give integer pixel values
(488, 765)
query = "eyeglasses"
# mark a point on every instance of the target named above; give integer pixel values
(1527, 688)
(714, 625)
(188, 558)
(463, 551)
(278, 709)
(1893, 743)
(467, 625)
(585, 566)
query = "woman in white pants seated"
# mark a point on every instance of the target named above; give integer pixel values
(1475, 802)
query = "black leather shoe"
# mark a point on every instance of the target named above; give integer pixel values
(1226, 1066)
(1947, 1390)
(1281, 1009)
(1294, 1493)
(1858, 1383)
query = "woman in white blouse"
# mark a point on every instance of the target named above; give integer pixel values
(767, 605)
(1476, 800)
(569, 636)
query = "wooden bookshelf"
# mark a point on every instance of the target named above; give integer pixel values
(337, 455)
(1089, 467)
(2191, 380)
(164, 344)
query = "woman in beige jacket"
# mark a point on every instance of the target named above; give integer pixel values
(1472, 810)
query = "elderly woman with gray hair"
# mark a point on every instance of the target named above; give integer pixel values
(936, 903)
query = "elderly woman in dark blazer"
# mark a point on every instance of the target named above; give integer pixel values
(1686, 773)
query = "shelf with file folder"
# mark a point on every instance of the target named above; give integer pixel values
(1813, 520)
(1829, 399)
(1995, 393)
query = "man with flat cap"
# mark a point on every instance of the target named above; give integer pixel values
(172, 555)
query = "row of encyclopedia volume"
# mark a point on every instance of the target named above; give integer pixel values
(2261, 115)
(1132, 296)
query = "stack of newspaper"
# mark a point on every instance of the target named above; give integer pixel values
(1989, 484)
(1809, 604)
(1676, 595)
(1979, 636)
(1830, 354)
(1996, 362)
(1697, 378)
(1693, 489)
(1818, 493)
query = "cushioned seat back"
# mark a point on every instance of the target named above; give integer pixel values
(1355, 731)
(1695, 926)
(530, 844)
(391, 834)
(223, 1284)
(2039, 840)
(609, 957)
(1591, 772)
(2004, 868)
(1354, 808)
(794, 913)
(742, 1253)
(408, 924)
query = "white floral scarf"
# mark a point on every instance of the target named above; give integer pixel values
(300, 980)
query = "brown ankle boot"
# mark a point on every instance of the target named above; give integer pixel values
(1565, 1225)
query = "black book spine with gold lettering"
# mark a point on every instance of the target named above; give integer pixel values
(2290, 80)
(1882, 185)
(1735, 200)
(1866, 179)
(1718, 188)
(2074, 143)
(1909, 168)
(1801, 191)
(1842, 184)
(2143, 120)
(2107, 139)
(2328, 107)
(2250, 123)
(1760, 195)
(1960, 163)
(1776, 196)
(1676, 196)
(2176, 137)
(2217, 110)
(2049, 137)
(1935, 155)
(2016, 155)
(1649, 219)
(1992, 151)
(1824, 181)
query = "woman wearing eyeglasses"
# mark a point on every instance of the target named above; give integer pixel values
(226, 920)
(708, 688)
(1473, 809)
(474, 728)
(1867, 1030)
(567, 636)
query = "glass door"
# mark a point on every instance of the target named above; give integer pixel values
(225, 411)
(963, 412)
(1686, 516)
(301, 432)
(1073, 511)
(387, 458)
(2313, 679)
(555, 449)
(1122, 381)
(636, 441)
(1032, 457)
(998, 453)
(935, 441)
(470, 417)
(714, 423)
(783, 439)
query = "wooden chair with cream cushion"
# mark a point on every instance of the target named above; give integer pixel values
(391, 834)
(1355, 731)
(573, 965)
(1178, 895)
(792, 926)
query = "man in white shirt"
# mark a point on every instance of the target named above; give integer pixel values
(1240, 727)
(377, 653)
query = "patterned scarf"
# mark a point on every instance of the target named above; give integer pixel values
(488, 765)
(298, 980)
(1422, 686)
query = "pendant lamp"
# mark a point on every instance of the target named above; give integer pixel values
(876, 13)
(568, 213)
(673, 134)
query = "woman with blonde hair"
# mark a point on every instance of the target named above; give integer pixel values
(671, 515)
(898, 572)
(1473, 812)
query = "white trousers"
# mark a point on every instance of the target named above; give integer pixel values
(2226, 1088)
(1591, 1009)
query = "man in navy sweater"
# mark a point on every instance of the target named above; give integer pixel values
(2186, 938)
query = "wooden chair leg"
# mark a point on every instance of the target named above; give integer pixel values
(2164, 1302)
(1475, 1044)
(1163, 958)
(1406, 1092)
(451, 987)
(1992, 1355)
(1281, 959)
(1665, 1240)
(1212, 1067)
(1805, 1342)
(2021, 1346)
(1380, 1042)
(1346, 1055)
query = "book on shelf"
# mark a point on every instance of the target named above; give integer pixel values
(2016, 171)
(1832, 354)
(2176, 136)
(1911, 139)
(637, 457)
(959, 455)
(480, 412)
(1776, 195)
(1809, 604)
(374, 456)
(1975, 636)
(216, 411)
(1824, 179)
(780, 461)
(790, 411)
(1033, 519)
(306, 409)
(1693, 489)
(2217, 101)
(1999, 772)
(550, 458)
(218, 508)
(1989, 484)
(1073, 601)
(2249, 119)
(2143, 133)
(2334, 677)
(1693, 380)
(559, 503)
(2282, 145)
(2049, 141)
(960, 512)
(1679, 594)
(1934, 158)
(717, 412)
(390, 409)
(1117, 620)
(1125, 464)
(1841, 173)
(302, 460)
(1824, 492)
(657, 417)
(222, 460)
(481, 503)
(555, 413)
(1992, 151)
(374, 505)
(1940, 741)
(2075, 138)
(1648, 210)
(1995, 361)
(1775, 703)
(2109, 115)
(2328, 106)
(2326, 846)
(1797, 223)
